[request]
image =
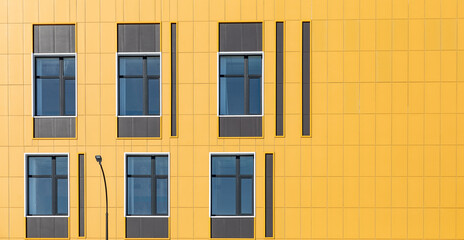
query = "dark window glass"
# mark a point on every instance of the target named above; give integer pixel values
(139, 85)
(162, 196)
(55, 89)
(138, 196)
(131, 96)
(62, 196)
(247, 196)
(47, 97)
(40, 196)
(147, 185)
(224, 165)
(240, 89)
(232, 94)
(47, 185)
(223, 196)
(140, 165)
(40, 165)
(70, 97)
(232, 185)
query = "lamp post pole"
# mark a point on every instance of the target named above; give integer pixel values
(99, 160)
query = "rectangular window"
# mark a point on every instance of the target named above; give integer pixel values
(306, 77)
(240, 84)
(173, 80)
(269, 195)
(147, 185)
(54, 85)
(279, 79)
(81, 162)
(139, 85)
(47, 185)
(232, 185)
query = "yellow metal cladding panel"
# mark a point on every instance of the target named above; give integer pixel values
(385, 156)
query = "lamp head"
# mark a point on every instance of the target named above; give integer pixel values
(98, 158)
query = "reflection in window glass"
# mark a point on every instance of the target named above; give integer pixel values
(47, 97)
(138, 196)
(147, 185)
(223, 199)
(40, 196)
(62, 195)
(247, 196)
(162, 196)
(232, 184)
(40, 165)
(131, 96)
(240, 91)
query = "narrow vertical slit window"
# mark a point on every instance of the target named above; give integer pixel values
(279, 79)
(306, 80)
(173, 80)
(81, 195)
(269, 201)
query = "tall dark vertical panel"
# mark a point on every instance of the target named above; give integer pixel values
(279, 79)
(81, 196)
(173, 80)
(269, 211)
(306, 79)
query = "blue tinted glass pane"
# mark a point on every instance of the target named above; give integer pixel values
(223, 196)
(255, 96)
(231, 96)
(61, 166)
(131, 66)
(223, 165)
(232, 65)
(162, 165)
(47, 67)
(47, 97)
(254, 65)
(140, 165)
(139, 196)
(247, 196)
(40, 196)
(40, 165)
(153, 66)
(69, 97)
(131, 96)
(162, 196)
(69, 67)
(153, 97)
(62, 195)
(246, 165)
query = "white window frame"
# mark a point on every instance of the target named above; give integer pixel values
(254, 181)
(26, 178)
(37, 55)
(169, 183)
(139, 54)
(219, 54)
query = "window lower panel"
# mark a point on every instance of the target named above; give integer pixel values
(232, 227)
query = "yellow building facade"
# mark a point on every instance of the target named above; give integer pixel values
(385, 157)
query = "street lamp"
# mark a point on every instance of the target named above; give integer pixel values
(99, 160)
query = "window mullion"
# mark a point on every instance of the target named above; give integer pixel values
(246, 90)
(145, 87)
(62, 90)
